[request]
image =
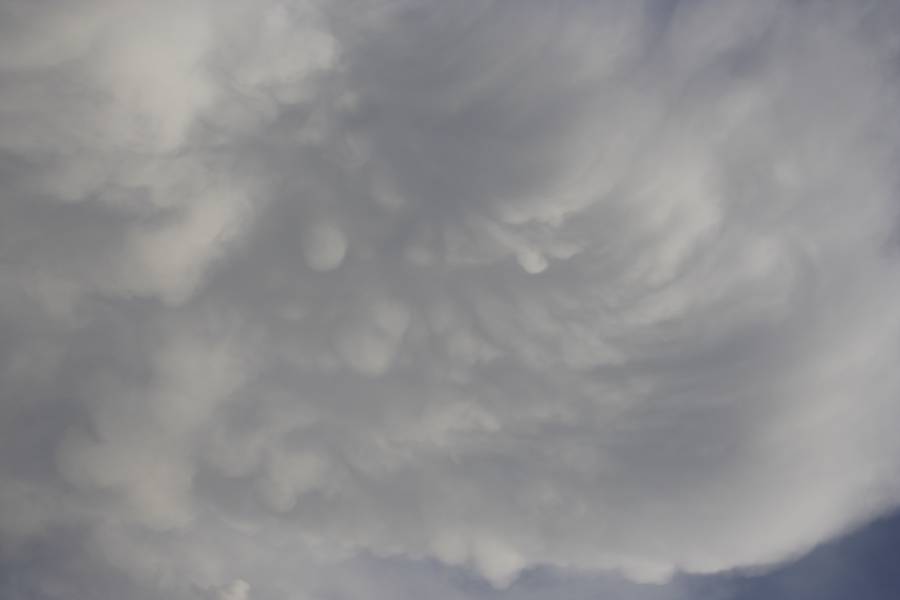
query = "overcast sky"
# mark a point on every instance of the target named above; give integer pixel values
(377, 299)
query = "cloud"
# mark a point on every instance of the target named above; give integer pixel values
(586, 285)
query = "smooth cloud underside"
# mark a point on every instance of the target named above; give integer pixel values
(602, 285)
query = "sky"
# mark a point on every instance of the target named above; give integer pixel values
(495, 299)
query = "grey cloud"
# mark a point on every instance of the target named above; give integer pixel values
(589, 285)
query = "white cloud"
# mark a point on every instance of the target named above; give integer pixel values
(324, 247)
(595, 286)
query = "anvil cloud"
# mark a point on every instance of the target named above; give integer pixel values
(495, 285)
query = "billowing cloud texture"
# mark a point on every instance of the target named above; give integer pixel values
(488, 285)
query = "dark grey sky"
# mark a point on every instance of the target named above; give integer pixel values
(331, 300)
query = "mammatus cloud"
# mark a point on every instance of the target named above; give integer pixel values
(607, 285)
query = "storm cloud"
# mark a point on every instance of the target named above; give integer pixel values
(492, 286)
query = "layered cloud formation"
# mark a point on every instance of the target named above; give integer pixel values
(592, 285)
